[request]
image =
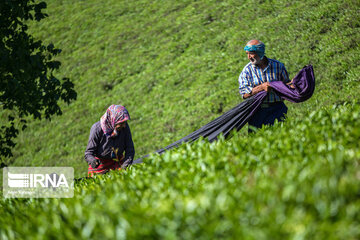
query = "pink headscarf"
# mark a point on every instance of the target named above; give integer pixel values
(115, 114)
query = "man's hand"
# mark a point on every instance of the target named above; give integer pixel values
(262, 87)
(266, 86)
(291, 84)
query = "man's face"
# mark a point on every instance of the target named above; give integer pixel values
(253, 58)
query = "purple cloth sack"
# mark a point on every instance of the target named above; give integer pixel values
(304, 83)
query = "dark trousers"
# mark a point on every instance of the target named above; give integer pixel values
(266, 115)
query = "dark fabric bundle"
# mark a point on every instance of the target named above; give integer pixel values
(304, 83)
(236, 118)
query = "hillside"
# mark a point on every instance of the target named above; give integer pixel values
(175, 66)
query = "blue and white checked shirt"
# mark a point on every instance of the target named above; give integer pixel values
(251, 76)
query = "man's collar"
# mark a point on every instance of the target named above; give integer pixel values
(267, 62)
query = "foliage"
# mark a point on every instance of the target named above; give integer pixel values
(27, 83)
(294, 181)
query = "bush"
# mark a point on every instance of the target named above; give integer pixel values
(296, 180)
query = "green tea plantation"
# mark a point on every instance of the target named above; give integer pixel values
(175, 66)
(303, 183)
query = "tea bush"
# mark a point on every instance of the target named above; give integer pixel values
(298, 180)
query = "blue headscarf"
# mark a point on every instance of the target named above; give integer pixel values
(259, 49)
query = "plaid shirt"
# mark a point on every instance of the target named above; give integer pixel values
(251, 76)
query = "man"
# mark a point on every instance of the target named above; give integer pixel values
(255, 77)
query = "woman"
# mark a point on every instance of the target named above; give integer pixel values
(109, 138)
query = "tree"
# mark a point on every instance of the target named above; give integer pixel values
(28, 86)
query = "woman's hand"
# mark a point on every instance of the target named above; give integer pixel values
(95, 163)
(126, 163)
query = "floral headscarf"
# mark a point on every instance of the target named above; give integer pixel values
(115, 114)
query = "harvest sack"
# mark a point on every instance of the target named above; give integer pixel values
(236, 118)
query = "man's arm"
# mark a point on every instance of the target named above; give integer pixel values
(284, 74)
(285, 78)
(245, 84)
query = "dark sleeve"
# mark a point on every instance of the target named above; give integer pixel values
(91, 148)
(129, 145)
